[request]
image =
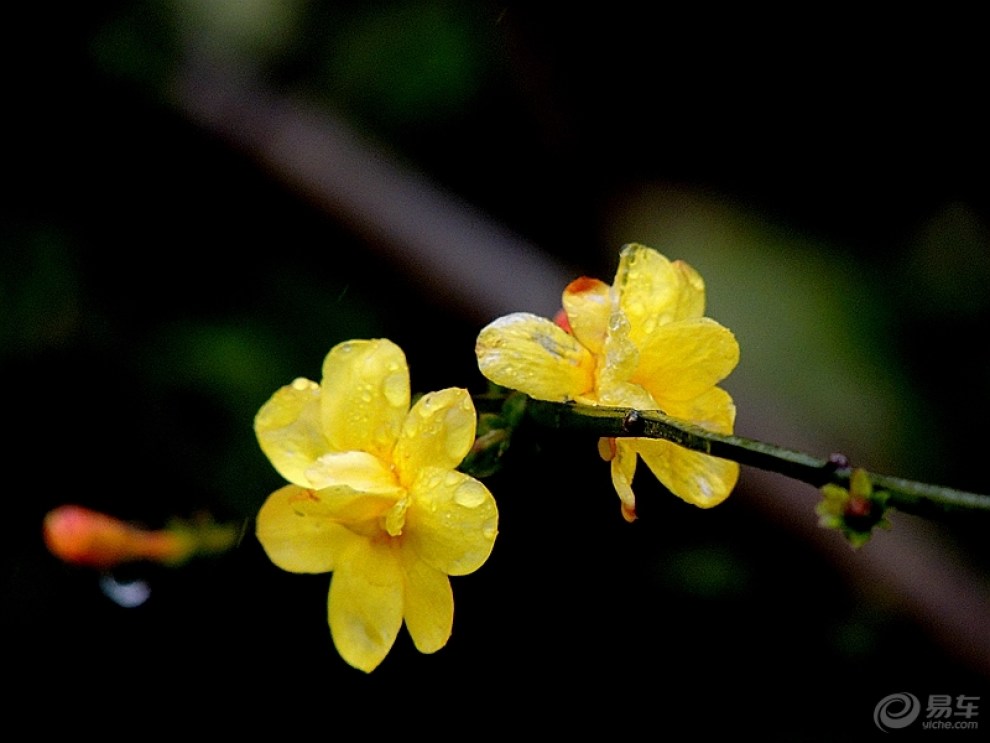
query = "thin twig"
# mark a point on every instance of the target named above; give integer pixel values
(905, 495)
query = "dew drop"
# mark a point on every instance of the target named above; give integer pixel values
(704, 486)
(396, 389)
(489, 529)
(470, 494)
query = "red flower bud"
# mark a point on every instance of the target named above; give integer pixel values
(80, 536)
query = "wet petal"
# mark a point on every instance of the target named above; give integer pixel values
(626, 395)
(621, 357)
(290, 432)
(365, 604)
(360, 512)
(697, 478)
(691, 292)
(623, 468)
(713, 410)
(429, 604)
(297, 533)
(439, 432)
(452, 522)
(684, 359)
(365, 396)
(357, 470)
(649, 289)
(588, 304)
(533, 355)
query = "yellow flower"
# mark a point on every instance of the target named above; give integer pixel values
(641, 343)
(375, 498)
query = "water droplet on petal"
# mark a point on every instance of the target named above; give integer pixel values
(489, 529)
(395, 388)
(704, 486)
(470, 494)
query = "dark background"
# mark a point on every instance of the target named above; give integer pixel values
(161, 278)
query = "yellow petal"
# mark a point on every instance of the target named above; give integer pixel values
(429, 604)
(713, 410)
(452, 522)
(365, 604)
(691, 292)
(357, 470)
(438, 432)
(654, 291)
(364, 396)
(697, 478)
(686, 358)
(649, 289)
(619, 394)
(290, 432)
(362, 513)
(623, 468)
(533, 355)
(588, 304)
(295, 537)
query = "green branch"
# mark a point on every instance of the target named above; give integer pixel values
(905, 495)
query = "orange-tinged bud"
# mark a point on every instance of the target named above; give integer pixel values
(583, 284)
(560, 319)
(80, 536)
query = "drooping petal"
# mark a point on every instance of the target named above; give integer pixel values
(588, 304)
(453, 521)
(533, 355)
(697, 478)
(429, 604)
(357, 470)
(365, 603)
(290, 432)
(297, 535)
(623, 468)
(682, 360)
(438, 432)
(364, 396)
